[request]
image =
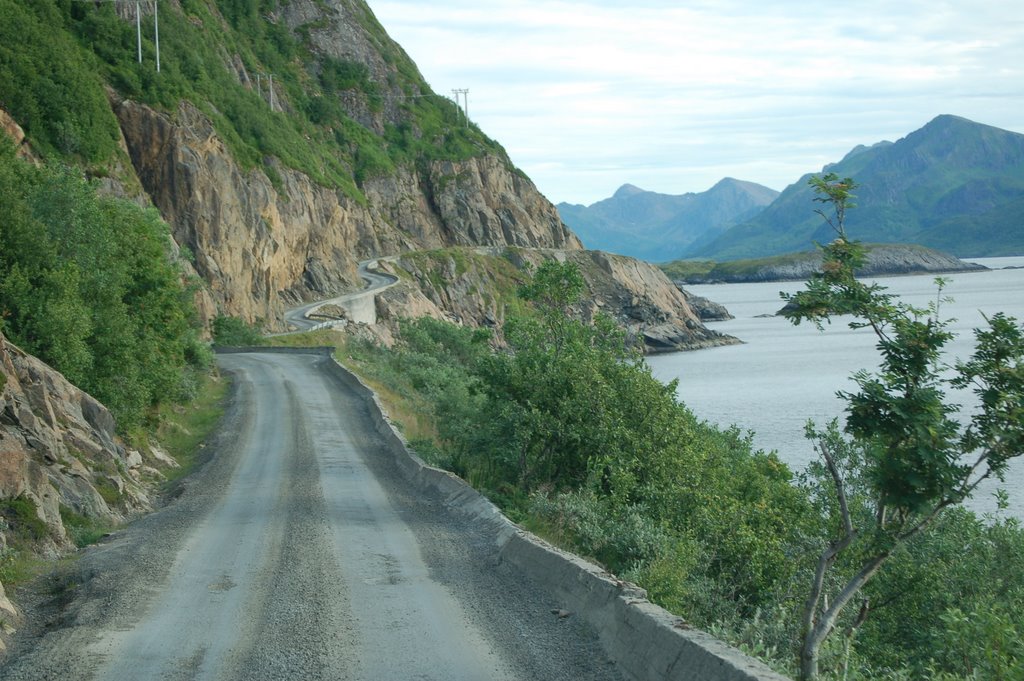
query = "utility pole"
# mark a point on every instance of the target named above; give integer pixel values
(465, 94)
(123, 9)
(458, 107)
(271, 91)
(138, 28)
(156, 31)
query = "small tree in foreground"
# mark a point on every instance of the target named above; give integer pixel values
(907, 457)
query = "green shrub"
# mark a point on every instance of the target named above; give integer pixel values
(234, 332)
(82, 530)
(22, 518)
(87, 284)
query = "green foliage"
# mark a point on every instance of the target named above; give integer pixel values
(235, 332)
(985, 642)
(57, 56)
(568, 431)
(22, 520)
(50, 87)
(934, 576)
(87, 285)
(107, 490)
(82, 530)
(181, 429)
(687, 269)
(908, 458)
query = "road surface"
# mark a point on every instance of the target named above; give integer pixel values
(375, 283)
(299, 552)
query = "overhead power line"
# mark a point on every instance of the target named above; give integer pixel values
(138, 23)
(465, 97)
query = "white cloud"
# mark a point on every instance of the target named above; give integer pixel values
(586, 96)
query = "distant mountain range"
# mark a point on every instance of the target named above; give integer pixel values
(953, 185)
(659, 227)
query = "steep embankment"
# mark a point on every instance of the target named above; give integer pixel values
(260, 246)
(282, 141)
(63, 473)
(477, 286)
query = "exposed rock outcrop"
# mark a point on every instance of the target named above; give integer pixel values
(14, 131)
(58, 456)
(261, 245)
(473, 287)
(707, 310)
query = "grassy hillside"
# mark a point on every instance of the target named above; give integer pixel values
(341, 121)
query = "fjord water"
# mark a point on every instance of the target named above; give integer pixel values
(783, 374)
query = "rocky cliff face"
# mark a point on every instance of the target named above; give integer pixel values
(58, 458)
(262, 246)
(11, 129)
(474, 286)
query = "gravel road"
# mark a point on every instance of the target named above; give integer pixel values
(299, 552)
(375, 282)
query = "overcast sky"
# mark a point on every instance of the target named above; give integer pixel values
(588, 95)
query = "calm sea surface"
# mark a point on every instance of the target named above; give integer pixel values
(783, 374)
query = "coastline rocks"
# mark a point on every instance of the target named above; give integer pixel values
(707, 310)
(880, 261)
(472, 286)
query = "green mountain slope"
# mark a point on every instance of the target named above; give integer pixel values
(340, 112)
(658, 227)
(954, 184)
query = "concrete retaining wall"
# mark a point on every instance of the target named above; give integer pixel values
(647, 642)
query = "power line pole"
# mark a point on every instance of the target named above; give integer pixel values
(458, 107)
(123, 9)
(465, 95)
(138, 28)
(156, 31)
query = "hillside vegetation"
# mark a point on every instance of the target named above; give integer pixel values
(332, 118)
(576, 439)
(89, 285)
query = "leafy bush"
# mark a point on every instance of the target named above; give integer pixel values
(50, 86)
(87, 285)
(235, 332)
(569, 432)
(82, 530)
(22, 519)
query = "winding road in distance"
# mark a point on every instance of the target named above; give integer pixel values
(375, 283)
(299, 552)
